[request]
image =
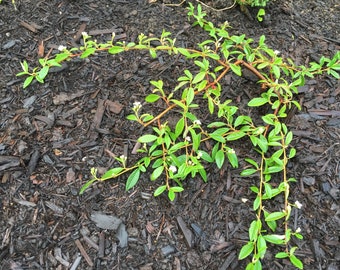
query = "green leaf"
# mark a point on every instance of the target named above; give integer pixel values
(257, 203)
(216, 124)
(43, 72)
(111, 173)
(276, 71)
(275, 216)
(235, 135)
(268, 190)
(133, 179)
(152, 98)
(178, 103)
(254, 189)
(250, 266)
(256, 102)
(203, 174)
(196, 139)
(211, 105)
(274, 238)
(199, 77)
(184, 52)
(274, 169)
(171, 195)
(219, 158)
(260, 14)
(115, 50)
(292, 153)
(289, 138)
(179, 127)
(214, 56)
(146, 117)
(281, 255)
(254, 230)
(88, 52)
(28, 81)
(217, 137)
(190, 96)
(159, 190)
(236, 69)
(232, 158)
(252, 162)
(205, 156)
(86, 186)
(296, 262)
(177, 189)
(153, 53)
(132, 117)
(24, 66)
(147, 138)
(248, 172)
(246, 250)
(261, 246)
(156, 173)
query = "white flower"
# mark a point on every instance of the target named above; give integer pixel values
(244, 200)
(173, 168)
(122, 157)
(62, 48)
(231, 151)
(188, 139)
(84, 34)
(298, 204)
(277, 52)
(259, 130)
(137, 105)
(197, 122)
(298, 230)
(199, 155)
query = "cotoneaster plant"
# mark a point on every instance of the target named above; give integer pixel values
(171, 154)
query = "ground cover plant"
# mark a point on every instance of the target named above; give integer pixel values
(180, 152)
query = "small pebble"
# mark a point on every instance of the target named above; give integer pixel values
(308, 180)
(167, 250)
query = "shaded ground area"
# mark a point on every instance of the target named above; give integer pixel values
(52, 134)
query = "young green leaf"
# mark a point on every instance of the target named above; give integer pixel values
(86, 186)
(88, 52)
(236, 69)
(28, 81)
(275, 216)
(159, 190)
(147, 138)
(275, 238)
(111, 173)
(115, 50)
(171, 195)
(257, 102)
(219, 158)
(152, 98)
(281, 255)
(133, 179)
(235, 135)
(254, 230)
(248, 172)
(246, 250)
(296, 262)
(156, 173)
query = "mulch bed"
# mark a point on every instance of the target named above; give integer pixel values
(52, 134)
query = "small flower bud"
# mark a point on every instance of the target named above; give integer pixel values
(173, 168)
(298, 204)
(61, 48)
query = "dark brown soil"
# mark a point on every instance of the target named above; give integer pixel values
(48, 143)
